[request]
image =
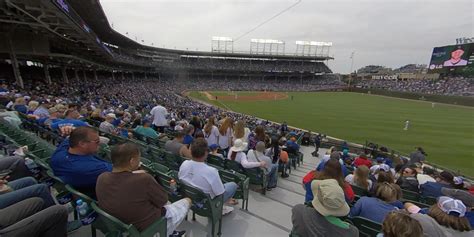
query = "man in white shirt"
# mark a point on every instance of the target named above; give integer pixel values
(158, 114)
(198, 174)
(257, 155)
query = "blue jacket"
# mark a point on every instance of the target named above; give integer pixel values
(433, 189)
(321, 165)
(80, 171)
(373, 208)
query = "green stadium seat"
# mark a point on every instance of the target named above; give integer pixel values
(173, 161)
(359, 191)
(217, 161)
(410, 196)
(204, 205)
(366, 227)
(111, 226)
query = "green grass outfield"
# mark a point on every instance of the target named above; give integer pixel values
(445, 132)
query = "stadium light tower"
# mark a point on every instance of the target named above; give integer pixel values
(222, 44)
(267, 46)
(313, 48)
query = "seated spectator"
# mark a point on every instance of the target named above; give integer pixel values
(332, 170)
(177, 147)
(423, 175)
(197, 173)
(236, 153)
(214, 152)
(362, 160)
(188, 138)
(408, 180)
(75, 161)
(146, 130)
(257, 136)
(134, 196)
(381, 177)
(323, 219)
(211, 132)
(379, 162)
(400, 224)
(360, 178)
(292, 146)
(107, 125)
(54, 117)
(42, 110)
(71, 119)
(445, 218)
(20, 105)
(334, 155)
(29, 218)
(22, 189)
(271, 169)
(433, 189)
(386, 199)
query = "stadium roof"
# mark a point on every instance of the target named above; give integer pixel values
(93, 14)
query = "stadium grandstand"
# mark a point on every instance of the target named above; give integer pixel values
(99, 137)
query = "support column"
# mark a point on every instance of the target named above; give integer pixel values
(65, 78)
(84, 74)
(133, 76)
(95, 75)
(16, 68)
(113, 76)
(76, 74)
(123, 76)
(47, 76)
(146, 78)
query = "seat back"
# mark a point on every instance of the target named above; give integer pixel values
(410, 195)
(217, 161)
(366, 227)
(242, 181)
(359, 191)
(110, 225)
(173, 161)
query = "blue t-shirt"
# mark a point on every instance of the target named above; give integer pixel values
(21, 108)
(188, 139)
(373, 208)
(80, 171)
(68, 122)
(432, 189)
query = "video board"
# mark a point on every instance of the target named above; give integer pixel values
(452, 56)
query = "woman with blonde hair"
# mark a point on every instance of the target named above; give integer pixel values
(240, 131)
(32, 106)
(20, 105)
(211, 132)
(387, 196)
(360, 178)
(225, 134)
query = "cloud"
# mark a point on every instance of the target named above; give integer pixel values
(389, 32)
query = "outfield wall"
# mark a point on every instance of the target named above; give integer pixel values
(457, 100)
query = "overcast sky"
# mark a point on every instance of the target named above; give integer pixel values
(382, 32)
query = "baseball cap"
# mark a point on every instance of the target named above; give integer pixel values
(447, 176)
(451, 206)
(380, 159)
(458, 180)
(464, 196)
(213, 146)
(111, 115)
(329, 199)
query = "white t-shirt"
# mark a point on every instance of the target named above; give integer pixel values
(242, 159)
(261, 157)
(201, 176)
(211, 138)
(423, 178)
(159, 115)
(224, 140)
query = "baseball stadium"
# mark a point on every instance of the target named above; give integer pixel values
(103, 134)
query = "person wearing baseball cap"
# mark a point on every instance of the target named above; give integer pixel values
(445, 218)
(433, 189)
(322, 219)
(465, 197)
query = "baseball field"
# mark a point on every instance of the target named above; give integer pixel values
(446, 132)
